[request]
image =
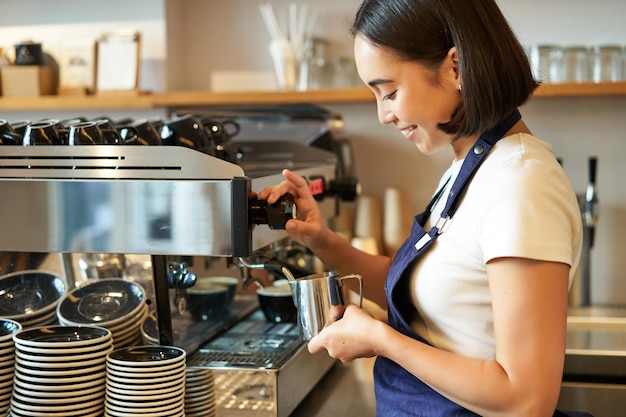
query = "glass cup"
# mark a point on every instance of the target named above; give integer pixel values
(607, 63)
(285, 64)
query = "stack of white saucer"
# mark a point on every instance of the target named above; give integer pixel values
(114, 303)
(60, 371)
(145, 381)
(200, 393)
(31, 297)
(7, 362)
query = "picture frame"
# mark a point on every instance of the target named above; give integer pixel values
(78, 67)
(118, 60)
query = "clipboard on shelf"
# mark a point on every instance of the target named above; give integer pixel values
(117, 68)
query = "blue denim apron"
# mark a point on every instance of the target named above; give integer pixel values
(398, 392)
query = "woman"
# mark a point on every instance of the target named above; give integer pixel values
(478, 294)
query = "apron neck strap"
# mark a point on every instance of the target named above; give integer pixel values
(472, 161)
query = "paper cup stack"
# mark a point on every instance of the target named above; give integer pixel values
(114, 303)
(7, 362)
(145, 381)
(368, 229)
(31, 297)
(60, 371)
(200, 393)
(398, 218)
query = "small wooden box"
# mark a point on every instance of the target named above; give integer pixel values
(28, 80)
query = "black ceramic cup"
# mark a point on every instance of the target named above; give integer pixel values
(185, 131)
(146, 132)
(20, 126)
(277, 304)
(207, 301)
(68, 122)
(84, 133)
(41, 133)
(110, 135)
(233, 284)
(8, 135)
(28, 53)
(220, 134)
(130, 136)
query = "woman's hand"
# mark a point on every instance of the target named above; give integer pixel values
(353, 336)
(309, 228)
(334, 251)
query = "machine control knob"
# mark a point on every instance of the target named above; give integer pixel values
(346, 188)
(274, 215)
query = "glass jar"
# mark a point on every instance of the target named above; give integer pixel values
(547, 62)
(345, 73)
(576, 64)
(315, 69)
(607, 63)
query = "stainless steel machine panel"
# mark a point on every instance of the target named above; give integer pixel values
(113, 162)
(121, 199)
(261, 369)
(594, 377)
(601, 400)
(124, 216)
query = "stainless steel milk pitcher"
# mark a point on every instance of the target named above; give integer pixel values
(320, 300)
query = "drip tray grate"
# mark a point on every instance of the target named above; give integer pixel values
(250, 344)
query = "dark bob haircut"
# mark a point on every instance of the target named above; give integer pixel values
(495, 74)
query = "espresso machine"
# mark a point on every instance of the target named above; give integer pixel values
(166, 212)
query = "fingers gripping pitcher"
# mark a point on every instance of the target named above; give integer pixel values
(320, 300)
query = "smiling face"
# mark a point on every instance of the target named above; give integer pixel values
(410, 96)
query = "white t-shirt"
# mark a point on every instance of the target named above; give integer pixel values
(520, 203)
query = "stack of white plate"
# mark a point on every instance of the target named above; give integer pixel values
(60, 371)
(145, 381)
(114, 303)
(200, 393)
(31, 297)
(7, 362)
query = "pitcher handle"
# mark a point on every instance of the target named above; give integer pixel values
(355, 276)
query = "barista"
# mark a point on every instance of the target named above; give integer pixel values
(478, 293)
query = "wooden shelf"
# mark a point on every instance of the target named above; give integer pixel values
(589, 89)
(70, 102)
(207, 98)
(199, 98)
